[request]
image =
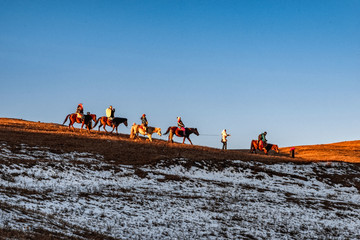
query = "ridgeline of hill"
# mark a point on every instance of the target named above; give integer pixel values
(122, 150)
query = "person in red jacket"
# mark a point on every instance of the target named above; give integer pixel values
(181, 124)
(80, 111)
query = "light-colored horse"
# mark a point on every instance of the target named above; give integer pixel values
(136, 129)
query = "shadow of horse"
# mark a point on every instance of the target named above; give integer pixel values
(104, 121)
(255, 146)
(180, 133)
(136, 129)
(73, 118)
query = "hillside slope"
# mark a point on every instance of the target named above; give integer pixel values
(58, 184)
(119, 148)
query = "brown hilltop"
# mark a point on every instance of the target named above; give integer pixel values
(122, 150)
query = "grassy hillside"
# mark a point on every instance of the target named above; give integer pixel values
(118, 147)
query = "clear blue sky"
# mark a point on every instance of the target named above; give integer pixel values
(291, 68)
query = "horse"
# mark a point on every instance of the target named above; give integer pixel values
(254, 145)
(73, 117)
(180, 133)
(136, 129)
(104, 121)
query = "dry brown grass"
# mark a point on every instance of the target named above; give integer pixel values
(119, 148)
(343, 151)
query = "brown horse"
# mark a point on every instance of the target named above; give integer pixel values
(180, 133)
(75, 119)
(104, 121)
(255, 146)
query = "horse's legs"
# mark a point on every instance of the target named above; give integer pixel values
(184, 140)
(82, 124)
(189, 140)
(149, 136)
(105, 128)
(171, 135)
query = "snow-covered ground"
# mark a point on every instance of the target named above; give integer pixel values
(70, 193)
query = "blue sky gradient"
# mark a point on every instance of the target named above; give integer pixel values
(291, 68)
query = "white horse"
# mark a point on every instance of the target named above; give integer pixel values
(136, 129)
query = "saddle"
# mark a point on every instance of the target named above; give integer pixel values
(180, 132)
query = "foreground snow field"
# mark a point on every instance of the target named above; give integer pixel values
(76, 193)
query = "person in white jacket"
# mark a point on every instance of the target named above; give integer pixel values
(224, 136)
(110, 113)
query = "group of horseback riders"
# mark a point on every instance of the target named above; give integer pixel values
(260, 144)
(110, 111)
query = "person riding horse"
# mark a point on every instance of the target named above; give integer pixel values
(144, 122)
(181, 125)
(262, 142)
(110, 111)
(80, 111)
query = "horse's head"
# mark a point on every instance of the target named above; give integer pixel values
(196, 131)
(125, 123)
(275, 148)
(93, 116)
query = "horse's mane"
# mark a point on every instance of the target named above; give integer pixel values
(269, 146)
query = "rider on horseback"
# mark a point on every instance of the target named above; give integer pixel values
(80, 111)
(110, 113)
(181, 124)
(144, 122)
(262, 140)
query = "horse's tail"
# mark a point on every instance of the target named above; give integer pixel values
(132, 131)
(66, 119)
(253, 146)
(167, 131)
(96, 122)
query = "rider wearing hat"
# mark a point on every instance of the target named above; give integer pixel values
(110, 113)
(181, 124)
(144, 122)
(80, 111)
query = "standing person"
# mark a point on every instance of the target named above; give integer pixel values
(144, 122)
(80, 111)
(224, 136)
(110, 111)
(262, 140)
(181, 124)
